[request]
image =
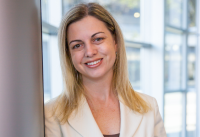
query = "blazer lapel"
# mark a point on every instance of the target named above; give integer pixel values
(130, 121)
(83, 121)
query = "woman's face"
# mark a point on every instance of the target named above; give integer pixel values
(92, 48)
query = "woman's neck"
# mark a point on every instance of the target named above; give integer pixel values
(98, 89)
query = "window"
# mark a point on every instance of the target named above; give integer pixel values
(180, 61)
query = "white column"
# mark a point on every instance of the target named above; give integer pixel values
(21, 92)
(152, 60)
(198, 88)
(198, 73)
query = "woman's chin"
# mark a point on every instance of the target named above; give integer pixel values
(98, 75)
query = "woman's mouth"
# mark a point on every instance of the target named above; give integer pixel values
(95, 63)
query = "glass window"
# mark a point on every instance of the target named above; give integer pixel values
(192, 42)
(191, 114)
(192, 14)
(45, 12)
(133, 58)
(173, 61)
(180, 63)
(174, 13)
(46, 67)
(173, 114)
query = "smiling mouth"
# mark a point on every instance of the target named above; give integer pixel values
(94, 62)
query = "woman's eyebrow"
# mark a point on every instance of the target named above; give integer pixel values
(81, 41)
(75, 41)
(96, 34)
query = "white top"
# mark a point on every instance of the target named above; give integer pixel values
(83, 124)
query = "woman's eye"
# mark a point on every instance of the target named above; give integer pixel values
(98, 39)
(76, 46)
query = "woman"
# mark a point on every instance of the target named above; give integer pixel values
(98, 99)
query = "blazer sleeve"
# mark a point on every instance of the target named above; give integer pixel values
(159, 130)
(52, 126)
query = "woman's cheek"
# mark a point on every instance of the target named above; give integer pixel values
(77, 59)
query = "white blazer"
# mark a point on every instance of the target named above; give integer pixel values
(83, 124)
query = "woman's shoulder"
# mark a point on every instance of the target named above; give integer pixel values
(51, 102)
(52, 124)
(154, 114)
(49, 106)
(151, 101)
(146, 97)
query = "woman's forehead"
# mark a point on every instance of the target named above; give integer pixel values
(86, 26)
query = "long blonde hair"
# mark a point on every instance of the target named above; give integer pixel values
(70, 98)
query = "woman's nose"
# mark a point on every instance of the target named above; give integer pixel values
(90, 50)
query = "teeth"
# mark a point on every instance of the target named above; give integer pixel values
(93, 63)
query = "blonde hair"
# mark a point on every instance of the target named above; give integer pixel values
(69, 100)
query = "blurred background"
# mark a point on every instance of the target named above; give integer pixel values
(161, 38)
